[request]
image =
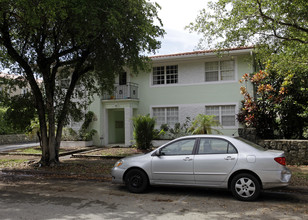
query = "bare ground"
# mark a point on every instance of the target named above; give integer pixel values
(98, 166)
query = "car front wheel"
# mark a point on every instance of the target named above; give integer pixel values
(245, 187)
(136, 181)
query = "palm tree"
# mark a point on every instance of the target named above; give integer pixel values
(203, 124)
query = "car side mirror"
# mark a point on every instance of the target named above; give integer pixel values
(157, 153)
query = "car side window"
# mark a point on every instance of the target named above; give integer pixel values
(215, 146)
(181, 147)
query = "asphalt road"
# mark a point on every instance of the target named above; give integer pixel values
(7, 147)
(28, 198)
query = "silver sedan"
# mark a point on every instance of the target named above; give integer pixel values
(208, 161)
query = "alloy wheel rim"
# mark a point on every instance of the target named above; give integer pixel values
(136, 181)
(245, 187)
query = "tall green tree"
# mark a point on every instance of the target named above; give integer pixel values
(66, 44)
(277, 28)
(279, 31)
(228, 23)
(18, 109)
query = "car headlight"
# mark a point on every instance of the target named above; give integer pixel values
(118, 163)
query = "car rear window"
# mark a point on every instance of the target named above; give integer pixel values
(258, 147)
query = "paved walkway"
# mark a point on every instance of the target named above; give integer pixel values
(7, 147)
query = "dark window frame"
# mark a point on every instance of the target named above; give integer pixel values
(211, 153)
(193, 149)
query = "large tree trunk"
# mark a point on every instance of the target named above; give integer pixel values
(52, 139)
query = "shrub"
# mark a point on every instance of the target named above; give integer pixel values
(143, 131)
(203, 124)
(84, 132)
(5, 126)
(69, 134)
(178, 130)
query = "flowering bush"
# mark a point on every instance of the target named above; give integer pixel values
(278, 107)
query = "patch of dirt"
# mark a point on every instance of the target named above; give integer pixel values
(299, 175)
(69, 168)
(17, 161)
(100, 168)
(118, 152)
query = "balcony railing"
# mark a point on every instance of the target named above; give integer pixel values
(128, 91)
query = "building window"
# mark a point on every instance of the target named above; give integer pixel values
(225, 114)
(165, 75)
(123, 78)
(220, 71)
(169, 115)
(171, 74)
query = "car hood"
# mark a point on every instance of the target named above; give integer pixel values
(134, 157)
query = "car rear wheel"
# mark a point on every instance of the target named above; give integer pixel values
(245, 187)
(136, 181)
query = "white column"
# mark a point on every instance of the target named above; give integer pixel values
(105, 129)
(128, 115)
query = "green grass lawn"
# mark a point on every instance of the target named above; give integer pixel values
(37, 150)
(31, 150)
(11, 163)
(118, 152)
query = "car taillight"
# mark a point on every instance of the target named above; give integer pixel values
(280, 160)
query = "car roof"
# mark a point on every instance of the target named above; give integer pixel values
(240, 145)
(207, 136)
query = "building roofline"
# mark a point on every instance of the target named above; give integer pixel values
(202, 53)
(14, 76)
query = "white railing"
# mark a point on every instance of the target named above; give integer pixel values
(128, 91)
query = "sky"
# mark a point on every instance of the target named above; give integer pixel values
(175, 15)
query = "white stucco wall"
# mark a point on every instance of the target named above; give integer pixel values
(191, 94)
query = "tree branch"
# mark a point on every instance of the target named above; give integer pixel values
(76, 75)
(286, 38)
(279, 22)
(7, 43)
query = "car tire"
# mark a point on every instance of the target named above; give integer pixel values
(245, 187)
(136, 181)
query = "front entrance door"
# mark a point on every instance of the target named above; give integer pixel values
(116, 126)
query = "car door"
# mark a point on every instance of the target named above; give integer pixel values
(175, 163)
(214, 160)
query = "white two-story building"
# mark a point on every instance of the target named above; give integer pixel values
(178, 86)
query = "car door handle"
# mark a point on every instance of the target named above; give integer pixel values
(229, 158)
(187, 159)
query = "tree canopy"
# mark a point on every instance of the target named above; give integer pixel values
(279, 31)
(66, 44)
(238, 23)
(277, 28)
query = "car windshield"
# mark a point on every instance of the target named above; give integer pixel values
(251, 143)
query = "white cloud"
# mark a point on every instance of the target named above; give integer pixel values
(175, 15)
